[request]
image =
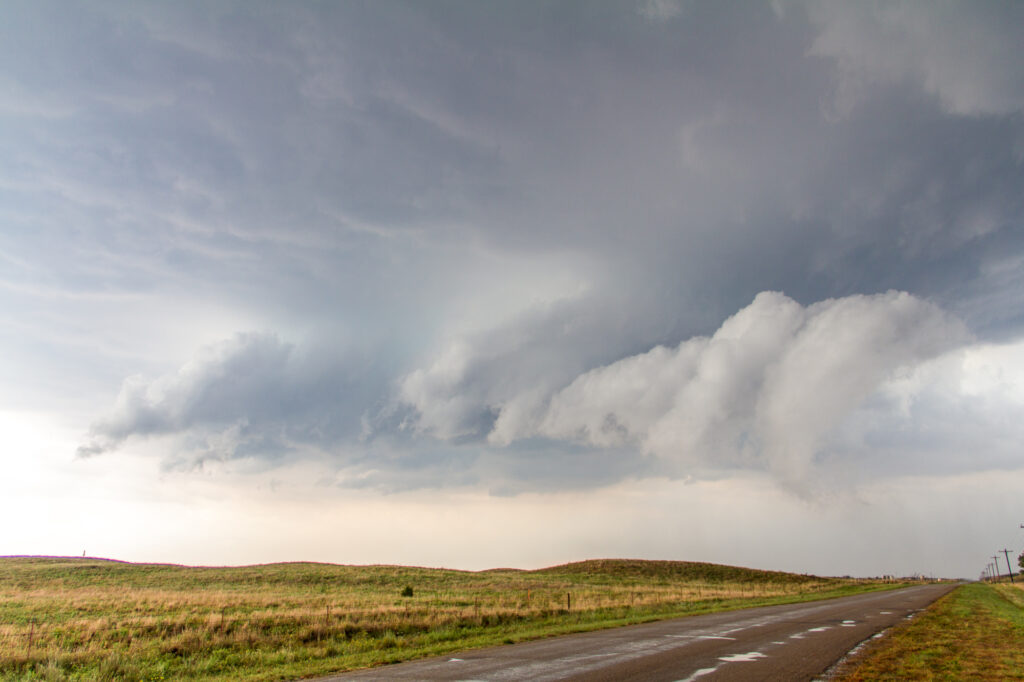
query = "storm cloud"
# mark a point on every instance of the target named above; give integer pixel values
(525, 226)
(763, 392)
(519, 248)
(779, 388)
(251, 396)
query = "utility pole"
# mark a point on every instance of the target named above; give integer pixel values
(998, 574)
(1006, 553)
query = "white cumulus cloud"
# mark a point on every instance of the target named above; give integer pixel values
(763, 392)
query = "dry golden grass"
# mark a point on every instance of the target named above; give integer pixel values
(90, 619)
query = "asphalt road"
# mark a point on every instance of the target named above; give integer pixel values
(791, 642)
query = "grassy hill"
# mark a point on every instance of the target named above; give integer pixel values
(647, 571)
(81, 618)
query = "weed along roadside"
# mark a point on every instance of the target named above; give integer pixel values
(974, 633)
(107, 620)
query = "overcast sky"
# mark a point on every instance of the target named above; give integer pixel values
(477, 284)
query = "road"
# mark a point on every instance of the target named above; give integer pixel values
(790, 642)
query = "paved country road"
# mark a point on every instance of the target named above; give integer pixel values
(789, 642)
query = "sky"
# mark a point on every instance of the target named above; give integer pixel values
(480, 284)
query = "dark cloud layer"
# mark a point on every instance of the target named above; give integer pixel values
(251, 396)
(456, 211)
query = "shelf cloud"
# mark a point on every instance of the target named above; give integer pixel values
(770, 390)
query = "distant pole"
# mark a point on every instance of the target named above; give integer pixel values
(996, 559)
(1006, 553)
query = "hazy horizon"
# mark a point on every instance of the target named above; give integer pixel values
(447, 568)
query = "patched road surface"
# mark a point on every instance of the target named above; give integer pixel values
(791, 642)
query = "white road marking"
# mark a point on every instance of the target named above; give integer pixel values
(583, 657)
(742, 658)
(800, 635)
(700, 673)
(731, 658)
(701, 637)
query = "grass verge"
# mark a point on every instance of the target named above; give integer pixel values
(87, 619)
(974, 633)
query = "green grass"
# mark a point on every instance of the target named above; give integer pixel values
(974, 633)
(88, 619)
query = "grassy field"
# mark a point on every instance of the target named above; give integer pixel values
(92, 619)
(974, 633)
